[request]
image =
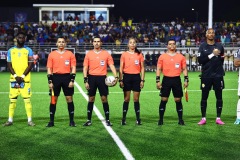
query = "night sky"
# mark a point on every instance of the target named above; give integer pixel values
(155, 10)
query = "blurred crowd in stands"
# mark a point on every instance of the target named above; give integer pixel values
(153, 35)
(147, 33)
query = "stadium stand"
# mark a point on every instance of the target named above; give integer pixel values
(151, 37)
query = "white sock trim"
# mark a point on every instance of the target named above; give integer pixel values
(10, 119)
(29, 119)
(238, 109)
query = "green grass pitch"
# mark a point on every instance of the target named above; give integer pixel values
(146, 142)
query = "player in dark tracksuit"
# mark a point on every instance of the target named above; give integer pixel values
(211, 56)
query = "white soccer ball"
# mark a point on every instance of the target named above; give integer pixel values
(109, 81)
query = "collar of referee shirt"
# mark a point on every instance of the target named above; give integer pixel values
(61, 52)
(171, 54)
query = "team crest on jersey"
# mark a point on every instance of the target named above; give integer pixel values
(203, 85)
(19, 54)
(102, 62)
(136, 62)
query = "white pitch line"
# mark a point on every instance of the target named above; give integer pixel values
(115, 137)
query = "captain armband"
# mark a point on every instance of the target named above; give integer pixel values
(186, 79)
(85, 79)
(50, 78)
(211, 55)
(157, 79)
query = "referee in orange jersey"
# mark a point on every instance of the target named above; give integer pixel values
(171, 64)
(95, 66)
(131, 77)
(61, 69)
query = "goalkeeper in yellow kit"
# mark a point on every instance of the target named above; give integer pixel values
(20, 61)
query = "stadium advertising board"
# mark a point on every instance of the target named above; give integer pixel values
(3, 54)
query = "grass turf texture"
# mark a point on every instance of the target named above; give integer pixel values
(148, 141)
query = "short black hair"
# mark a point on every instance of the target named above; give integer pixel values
(210, 29)
(97, 36)
(21, 33)
(62, 37)
(171, 39)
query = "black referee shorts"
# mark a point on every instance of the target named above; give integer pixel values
(131, 82)
(171, 83)
(217, 83)
(97, 82)
(62, 81)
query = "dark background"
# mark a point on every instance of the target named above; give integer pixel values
(153, 10)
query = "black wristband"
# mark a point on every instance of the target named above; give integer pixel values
(157, 79)
(186, 79)
(50, 78)
(85, 79)
(120, 80)
(142, 80)
(73, 75)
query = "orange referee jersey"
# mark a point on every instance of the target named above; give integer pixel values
(97, 62)
(171, 66)
(131, 62)
(61, 63)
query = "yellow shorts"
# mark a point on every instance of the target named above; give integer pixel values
(25, 91)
